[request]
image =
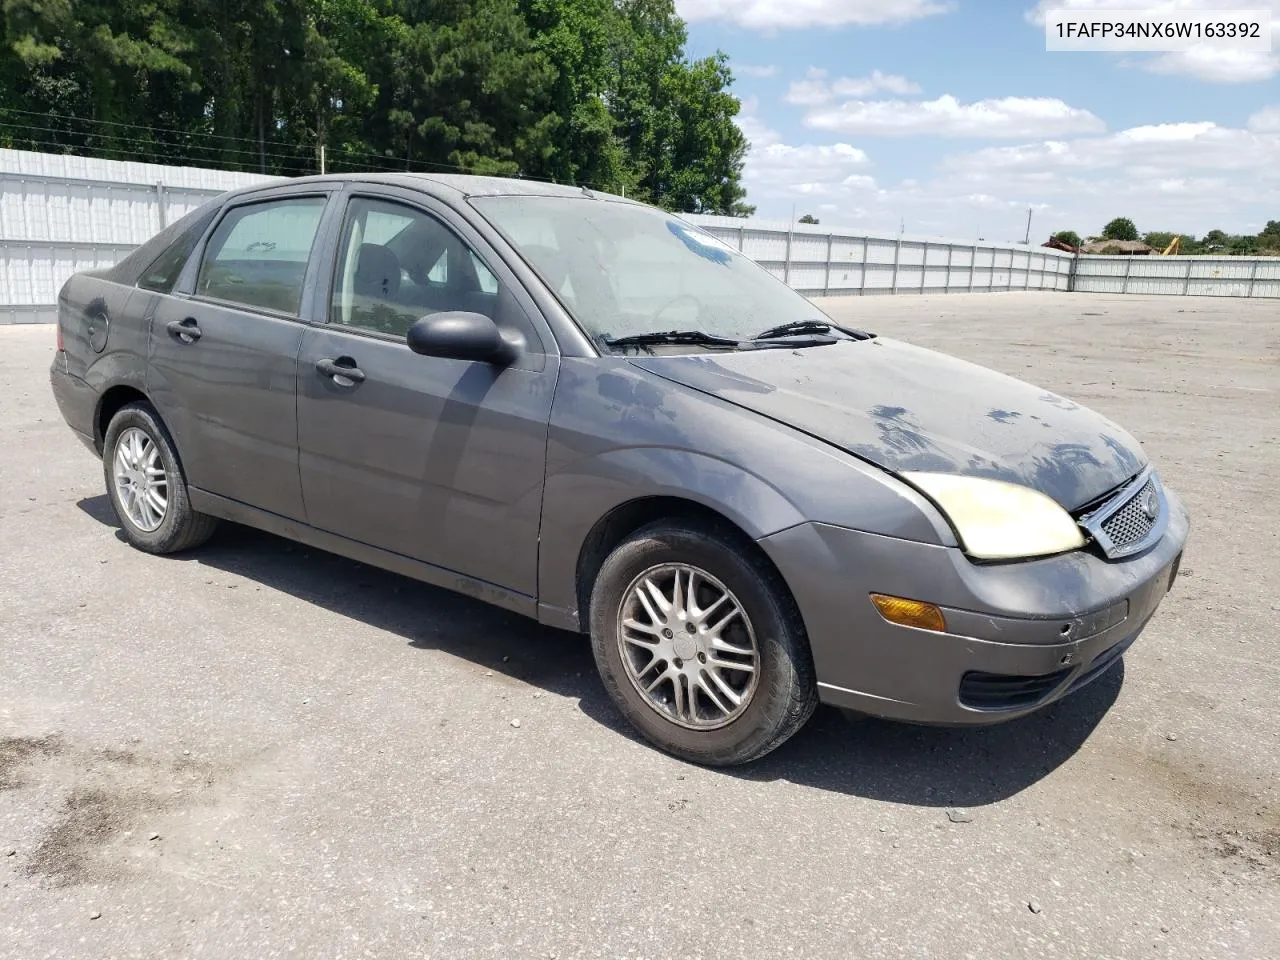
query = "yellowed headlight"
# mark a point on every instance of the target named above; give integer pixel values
(998, 520)
(910, 613)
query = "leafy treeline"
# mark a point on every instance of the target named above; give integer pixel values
(1267, 242)
(592, 92)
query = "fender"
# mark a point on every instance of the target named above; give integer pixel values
(587, 490)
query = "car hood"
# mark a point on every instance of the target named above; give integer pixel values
(906, 408)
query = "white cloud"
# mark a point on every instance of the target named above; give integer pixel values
(1191, 177)
(798, 14)
(776, 169)
(1153, 152)
(1037, 13)
(948, 117)
(1216, 66)
(752, 70)
(815, 89)
(1178, 176)
(1266, 120)
(1204, 63)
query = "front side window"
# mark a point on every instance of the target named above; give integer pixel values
(624, 269)
(258, 255)
(397, 265)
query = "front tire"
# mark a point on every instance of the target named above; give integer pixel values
(700, 644)
(146, 484)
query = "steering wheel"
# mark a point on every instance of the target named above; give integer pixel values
(674, 300)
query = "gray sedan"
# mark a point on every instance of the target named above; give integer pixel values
(591, 412)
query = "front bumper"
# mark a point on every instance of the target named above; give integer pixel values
(1021, 635)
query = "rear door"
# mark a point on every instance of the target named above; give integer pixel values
(223, 369)
(435, 459)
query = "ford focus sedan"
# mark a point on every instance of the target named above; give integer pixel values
(588, 411)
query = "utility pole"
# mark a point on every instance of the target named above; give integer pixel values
(1027, 241)
(322, 163)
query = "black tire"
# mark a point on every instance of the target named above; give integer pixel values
(182, 527)
(785, 695)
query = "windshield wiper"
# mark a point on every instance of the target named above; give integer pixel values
(801, 327)
(693, 337)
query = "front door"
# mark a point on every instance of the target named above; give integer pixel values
(223, 370)
(435, 459)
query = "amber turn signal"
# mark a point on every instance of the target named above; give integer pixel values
(910, 613)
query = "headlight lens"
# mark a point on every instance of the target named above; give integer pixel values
(1000, 521)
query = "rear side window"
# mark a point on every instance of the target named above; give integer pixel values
(165, 269)
(258, 255)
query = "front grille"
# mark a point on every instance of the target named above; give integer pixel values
(999, 691)
(1132, 520)
(1131, 523)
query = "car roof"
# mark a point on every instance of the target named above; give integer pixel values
(460, 186)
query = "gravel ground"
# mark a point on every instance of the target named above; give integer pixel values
(259, 750)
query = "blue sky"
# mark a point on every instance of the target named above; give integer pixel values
(950, 117)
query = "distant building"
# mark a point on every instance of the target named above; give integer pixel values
(1056, 244)
(1121, 248)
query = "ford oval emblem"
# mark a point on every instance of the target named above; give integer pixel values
(1151, 505)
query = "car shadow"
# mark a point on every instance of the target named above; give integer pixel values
(875, 759)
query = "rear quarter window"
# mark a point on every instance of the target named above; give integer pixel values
(192, 226)
(163, 272)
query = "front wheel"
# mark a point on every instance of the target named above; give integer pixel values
(146, 484)
(700, 644)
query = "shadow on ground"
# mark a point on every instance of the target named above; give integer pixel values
(864, 757)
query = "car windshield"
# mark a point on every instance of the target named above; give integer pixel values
(624, 270)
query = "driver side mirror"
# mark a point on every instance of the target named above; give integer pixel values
(458, 335)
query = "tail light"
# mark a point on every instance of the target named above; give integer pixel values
(59, 329)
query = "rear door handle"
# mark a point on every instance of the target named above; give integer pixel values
(342, 371)
(188, 330)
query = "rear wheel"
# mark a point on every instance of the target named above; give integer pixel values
(700, 645)
(146, 485)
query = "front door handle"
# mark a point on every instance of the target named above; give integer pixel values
(188, 330)
(342, 371)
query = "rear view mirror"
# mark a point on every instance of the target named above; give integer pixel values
(463, 336)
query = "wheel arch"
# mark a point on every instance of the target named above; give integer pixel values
(625, 519)
(112, 401)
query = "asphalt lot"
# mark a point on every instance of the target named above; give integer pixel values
(259, 750)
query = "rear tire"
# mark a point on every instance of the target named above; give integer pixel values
(146, 485)
(658, 632)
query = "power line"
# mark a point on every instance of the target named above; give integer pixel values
(292, 159)
(255, 153)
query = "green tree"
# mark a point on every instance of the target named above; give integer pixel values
(697, 166)
(1121, 228)
(1242, 246)
(1068, 237)
(584, 91)
(240, 55)
(1269, 238)
(578, 39)
(463, 88)
(809, 218)
(1215, 239)
(95, 60)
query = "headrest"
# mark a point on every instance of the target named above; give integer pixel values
(377, 271)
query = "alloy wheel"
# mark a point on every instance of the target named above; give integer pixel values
(142, 485)
(688, 646)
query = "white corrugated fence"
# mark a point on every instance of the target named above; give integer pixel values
(62, 214)
(822, 261)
